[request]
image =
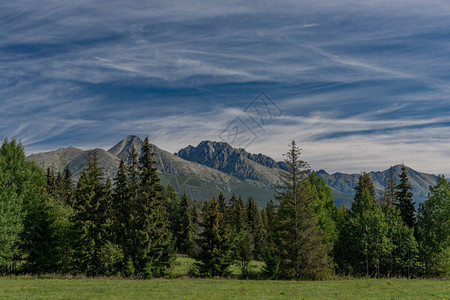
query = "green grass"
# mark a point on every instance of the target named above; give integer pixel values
(54, 287)
(104, 288)
(183, 264)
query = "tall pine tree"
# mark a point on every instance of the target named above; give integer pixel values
(215, 255)
(404, 200)
(154, 251)
(92, 219)
(299, 243)
(185, 233)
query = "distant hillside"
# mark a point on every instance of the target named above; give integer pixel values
(346, 183)
(212, 167)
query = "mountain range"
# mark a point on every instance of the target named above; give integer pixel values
(211, 167)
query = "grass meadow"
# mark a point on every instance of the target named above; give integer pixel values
(180, 286)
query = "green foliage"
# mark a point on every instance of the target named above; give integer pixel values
(297, 240)
(152, 246)
(243, 247)
(404, 200)
(185, 227)
(110, 258)
(255, 228)
(173, 209)
(373, 242)
(92, 218)
(325, 209)
(13, 185)
(28, 236)
(237, 218)
(434, 230)
(46, 225)
(215, 256)
(128, 269)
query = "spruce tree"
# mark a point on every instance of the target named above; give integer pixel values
(300, 244)
(270, 253)
(255, 227)
(185, 234)
(121, 205)
(67, 189)
(51, 181)
(173, 210)
(215, 255)
(404, 200)
(154, 252)
(92, 218)
(271, 214)
(224, 208)
(389, 195)
(237, 213)
(131, 192)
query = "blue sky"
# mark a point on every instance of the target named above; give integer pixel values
(360, 85)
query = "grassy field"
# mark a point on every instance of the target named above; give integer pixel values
(103, 288)
(182, 287)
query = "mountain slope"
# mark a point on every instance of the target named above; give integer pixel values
(346, 183)
(211, 167)
(237, 162)
(106, 161)
(55, 160)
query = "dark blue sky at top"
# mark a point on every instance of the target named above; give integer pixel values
(361, 85)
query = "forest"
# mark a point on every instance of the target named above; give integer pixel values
(132, 226)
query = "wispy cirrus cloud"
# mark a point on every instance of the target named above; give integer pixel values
(362, 84)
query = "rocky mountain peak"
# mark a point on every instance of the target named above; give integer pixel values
(234, 161)
(127, 146)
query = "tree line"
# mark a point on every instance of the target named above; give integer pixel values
(135, 227)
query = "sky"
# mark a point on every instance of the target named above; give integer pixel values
(359, 85)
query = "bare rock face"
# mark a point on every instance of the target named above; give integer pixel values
(237, 162)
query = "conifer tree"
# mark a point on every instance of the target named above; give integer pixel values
(92, 218)
(121, 205)
(215, 256)
(67, 189)
(237, 213)
(51, 180)
(185, 234)
(404, 200)
(173, 210)
(154, 248)
(224, 208)
(402, 259)
(195, 214)
(300, 244)
(255, 227)
(270, 213)
(270, 253)
(389, 195)
(131, 191)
